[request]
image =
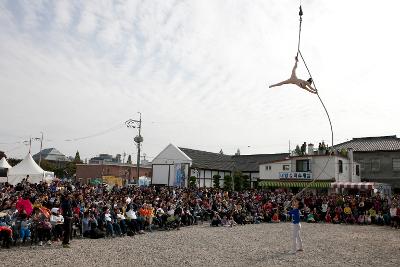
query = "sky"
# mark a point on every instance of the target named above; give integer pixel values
(197, 70)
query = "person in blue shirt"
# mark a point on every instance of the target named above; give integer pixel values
(295, 214)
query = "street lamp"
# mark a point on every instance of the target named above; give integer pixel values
(138, 139)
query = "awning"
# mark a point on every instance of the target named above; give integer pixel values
(299, 184)
(349, 185)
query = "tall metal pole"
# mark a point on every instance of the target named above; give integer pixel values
(138, 146)
(41, 146)
(138, 139)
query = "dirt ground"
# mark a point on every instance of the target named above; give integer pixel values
(250, 245)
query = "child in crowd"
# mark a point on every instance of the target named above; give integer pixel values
(57, 221)
(275, 217)
(25, 233)
(328, 218)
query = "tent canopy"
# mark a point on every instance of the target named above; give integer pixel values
(26, 167)
(350, 185)
(4, 164)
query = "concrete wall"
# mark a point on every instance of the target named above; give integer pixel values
(385, 174)
(84, 172)
(271, 171)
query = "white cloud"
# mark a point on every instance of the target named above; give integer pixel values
(198, 69)
(63, 13)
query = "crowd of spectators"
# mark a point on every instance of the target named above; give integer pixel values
(33, 213)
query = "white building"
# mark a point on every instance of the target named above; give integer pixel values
(175, 164)
(299, 170)
(171, 167)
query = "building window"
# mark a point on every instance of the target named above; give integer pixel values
(268, 168)
(396, 164)
(303, 165)
(375, 165)
(340, 166)
(286, 167)
(358, 170)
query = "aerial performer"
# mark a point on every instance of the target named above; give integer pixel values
(306, 85)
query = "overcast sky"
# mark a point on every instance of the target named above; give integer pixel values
(197, 70)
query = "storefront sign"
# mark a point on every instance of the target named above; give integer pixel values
(295, 175)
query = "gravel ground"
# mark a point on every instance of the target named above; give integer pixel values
(250, 245)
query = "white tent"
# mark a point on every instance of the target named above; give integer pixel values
(4, 164)
(4, 167)
(26, 167)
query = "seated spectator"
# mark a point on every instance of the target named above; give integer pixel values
(310, 218)
(57, 222)
(379, 219)
(249, 219)
(336, 219)
(216, 219)
(5, 236)
(25, 232)
(224, 221)
(372, 214)
(367, 219)
(41, 227)
(361, 219)
(393, 216)
(328, 218)
(275, 218)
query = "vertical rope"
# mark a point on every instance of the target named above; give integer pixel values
(300, 22)
(320, 99)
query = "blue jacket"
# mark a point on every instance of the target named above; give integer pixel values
(295, 213)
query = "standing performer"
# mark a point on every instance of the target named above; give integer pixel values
(306, 85)
(295, 214)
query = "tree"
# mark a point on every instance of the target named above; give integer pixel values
(238, 181)
(192, 181)
(343, 152)
(228, 183)
(216, 179)
(237, 152)
(77, 158)
(246, 182)
(221, 152)
(13, 161)
(129, 161)
(47, 165)
(297, 150)
(3, 155)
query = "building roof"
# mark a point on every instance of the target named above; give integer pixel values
(51, 154)
(217, 161)
(369, 144)
(250, 163)
(209, 160)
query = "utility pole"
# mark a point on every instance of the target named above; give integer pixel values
(138, 139)
(41, 146)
